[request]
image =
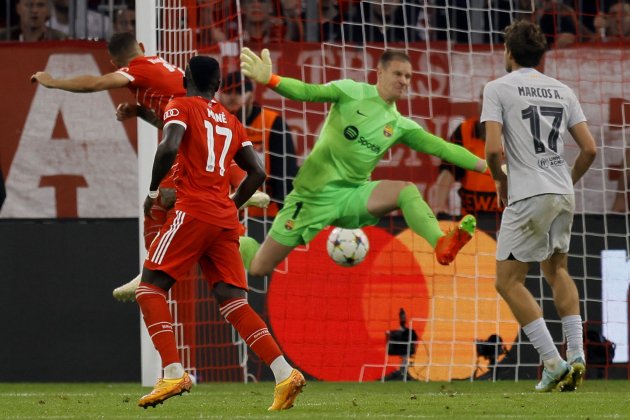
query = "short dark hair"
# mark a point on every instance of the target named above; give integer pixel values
(122, 44)
(205, 72)
(391, 55)
(233, 82)
(526, 42)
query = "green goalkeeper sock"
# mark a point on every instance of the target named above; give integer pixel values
(418, 215)
(248, 247)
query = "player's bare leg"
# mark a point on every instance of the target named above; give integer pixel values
(511, 286)
(391, 195)
(269, 255)
(566, 300)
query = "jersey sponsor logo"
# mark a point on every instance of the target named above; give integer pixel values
(388, 130)
(550, 162)
(351, 133)
(373, 147)
(173, 112)
(537, 92)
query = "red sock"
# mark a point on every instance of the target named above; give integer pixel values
(251, 328)
(159, 321)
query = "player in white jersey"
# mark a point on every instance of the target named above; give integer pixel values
(534, 112)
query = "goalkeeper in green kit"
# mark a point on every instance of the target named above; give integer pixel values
(333, 187)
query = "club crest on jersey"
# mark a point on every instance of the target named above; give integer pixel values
(289, 224)
(388, 130)
(173, 112)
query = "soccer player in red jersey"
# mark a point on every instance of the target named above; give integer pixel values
(202, 137)
(154, 82)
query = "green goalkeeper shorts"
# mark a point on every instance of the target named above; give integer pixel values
(305, 215)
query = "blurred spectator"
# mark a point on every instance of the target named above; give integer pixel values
(267, 21)
(477, 191)
(292, 20)
(614, 25)
(269, 134)
(33, 15)
(259, 23)
(93, 25)
(125, 18)
(560, 24)
(214, 21)
(330, 21)
(391, 22)
(503, 13)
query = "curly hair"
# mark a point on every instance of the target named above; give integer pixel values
(526, 42)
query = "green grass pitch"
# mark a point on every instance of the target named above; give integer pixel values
(320, 400)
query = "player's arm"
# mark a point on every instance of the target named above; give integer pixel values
(81, 84)
(259, 70)
(588, 150)
(164, 158)
(428, 143)
(247, 159)
(126, 110)
(494, 155)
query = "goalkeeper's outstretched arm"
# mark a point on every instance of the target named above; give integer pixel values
(259, 69)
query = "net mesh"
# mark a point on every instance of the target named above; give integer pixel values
(332, 321)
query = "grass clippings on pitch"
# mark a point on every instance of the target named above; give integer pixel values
(320, 400)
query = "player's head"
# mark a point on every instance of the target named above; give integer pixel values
(122, 48)
(525, 45)
(237, 94)
(393, 75)
(203, 76)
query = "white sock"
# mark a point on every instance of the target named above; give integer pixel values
(174, 371)
(540, 337)
(572, 328)
(281, 369)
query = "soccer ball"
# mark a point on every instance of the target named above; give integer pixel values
(347, 247)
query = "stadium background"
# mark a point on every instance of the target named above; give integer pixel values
(70, 231)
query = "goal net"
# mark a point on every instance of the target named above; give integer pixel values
(347, 324)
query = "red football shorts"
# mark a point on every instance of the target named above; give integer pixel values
(184, 241)
(153, 225)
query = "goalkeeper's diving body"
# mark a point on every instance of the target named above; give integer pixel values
(333, 187)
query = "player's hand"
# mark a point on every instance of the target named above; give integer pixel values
(502, 192)
(42, 78)
(259, 199)
(167, 197)
(125, 110)
(148, 205)
(254, 67)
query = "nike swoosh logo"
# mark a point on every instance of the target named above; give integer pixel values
(361, 113)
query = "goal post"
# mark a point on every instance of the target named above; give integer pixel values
(147, 145)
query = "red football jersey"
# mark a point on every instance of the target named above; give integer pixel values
(212, 137)
(154, 82)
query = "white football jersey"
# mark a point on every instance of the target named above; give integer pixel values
(536, 112)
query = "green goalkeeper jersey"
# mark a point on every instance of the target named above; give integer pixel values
(358, 131)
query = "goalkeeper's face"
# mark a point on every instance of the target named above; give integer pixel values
(393, 80)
